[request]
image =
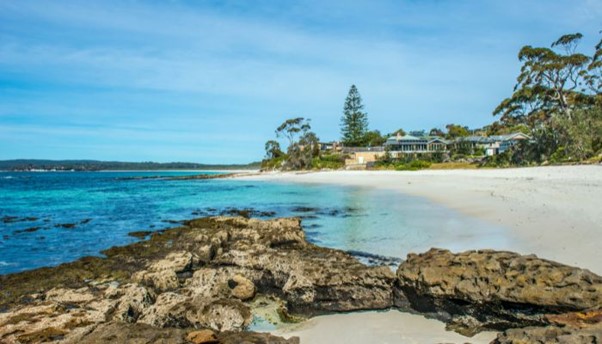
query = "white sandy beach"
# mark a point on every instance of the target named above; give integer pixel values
(553, 212)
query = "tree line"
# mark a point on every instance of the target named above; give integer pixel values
(557, 101)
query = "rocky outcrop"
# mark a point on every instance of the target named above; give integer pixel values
(203, 276)
(487, 289)
(204, 282)
(568, 328)
(551, 335)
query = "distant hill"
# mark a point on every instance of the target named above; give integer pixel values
(95, 165)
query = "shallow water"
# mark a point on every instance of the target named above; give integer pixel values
(78, 214)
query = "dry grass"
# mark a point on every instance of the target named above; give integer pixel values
(453, 166)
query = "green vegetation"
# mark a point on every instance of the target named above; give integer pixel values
(329, 161)
(455, 131)
(303, 146)
(558, 99)
(354, 123)
(556, 103)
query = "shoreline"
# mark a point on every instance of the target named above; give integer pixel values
(535, 206)
(552, 212)
(540, 195)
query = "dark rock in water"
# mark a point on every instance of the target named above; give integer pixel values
(27, 230)
(246, 213)
(13, 219)
(140, 234)
(229, 211)
(205, 176)
(375, 259)
(478, 290)
(66, 225)
(84, 221)
(303, 209)
(173, 222)
(9, 219)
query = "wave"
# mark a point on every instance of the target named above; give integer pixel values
(3, 263)
(8, 177)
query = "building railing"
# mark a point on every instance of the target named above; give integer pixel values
(363, 149)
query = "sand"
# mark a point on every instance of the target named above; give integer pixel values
(553, 212)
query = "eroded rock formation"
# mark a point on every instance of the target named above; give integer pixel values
(201, 276)
(204, 283)
(486, 289)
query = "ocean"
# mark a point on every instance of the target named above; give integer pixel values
(48, 218)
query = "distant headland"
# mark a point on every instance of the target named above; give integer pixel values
(33, 165)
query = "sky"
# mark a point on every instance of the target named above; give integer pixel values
(209, 81)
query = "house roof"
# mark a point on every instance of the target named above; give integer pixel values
(437, 138)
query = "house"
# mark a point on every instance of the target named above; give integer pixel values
(332, 146)
(409, 144)
(492, 145)
(507, 141)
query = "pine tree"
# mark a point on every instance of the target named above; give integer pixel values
(354, 123)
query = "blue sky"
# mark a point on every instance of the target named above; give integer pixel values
(208, 81)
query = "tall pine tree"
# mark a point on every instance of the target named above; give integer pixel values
(354, 123)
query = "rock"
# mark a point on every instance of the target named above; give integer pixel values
(192, 277)
(134, 300)
(242, 288)
(169, 310)
(487, 289)
(550, 335)
(118, 332)
(576, 319)
(254, 338)
(140, 234)
(163, 274)
(62, 295)
(276, 258)
(223, 315)
(202, 337)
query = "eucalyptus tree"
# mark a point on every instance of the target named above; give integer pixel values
(550, 82)
(272, 150)
(303, 143)
(557, 95)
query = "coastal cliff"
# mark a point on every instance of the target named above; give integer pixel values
(209, 280)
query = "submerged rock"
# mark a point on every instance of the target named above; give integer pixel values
(487, 289)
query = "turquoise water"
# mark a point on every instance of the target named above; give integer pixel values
(51, 218)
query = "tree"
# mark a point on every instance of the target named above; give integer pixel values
(303, 143)
(557, 96)
(272, 150)
(354, 123)
(436, 132)
(456, 130)
(593, 76)
(373, 139)
(293, 127)
(548, 83)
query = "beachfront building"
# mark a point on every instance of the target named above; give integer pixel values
(491, 145)
(409, 144)
(331, 146)
(507, 141)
